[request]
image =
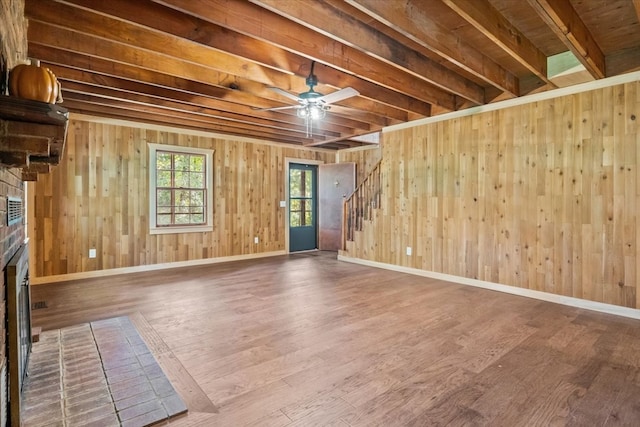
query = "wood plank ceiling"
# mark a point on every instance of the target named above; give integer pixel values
(209, 64)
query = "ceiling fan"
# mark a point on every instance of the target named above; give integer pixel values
(312, 105)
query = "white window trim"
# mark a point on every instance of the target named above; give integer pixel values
(153, 226)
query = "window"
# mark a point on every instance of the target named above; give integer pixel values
(181, 189)
(301, 198)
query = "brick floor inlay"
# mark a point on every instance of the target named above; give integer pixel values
(98, 374)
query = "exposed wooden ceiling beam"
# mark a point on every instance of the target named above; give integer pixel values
(90, 109)
(345, 29)
(128, 86)
(382, 95)
(260, 23)
(412, 20)
(100, 66)
(563, 19)
(259, 97)
(166, 20)
(204, 33)
(78, 81)
(102, 72)
(486, 19)
(173, 51)
(103, 109)
(44, 34)
(141, 106)
(204, 63)
(141, 58)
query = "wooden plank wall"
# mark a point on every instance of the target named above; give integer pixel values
(98, 198)
(365, 159)
(543, 196)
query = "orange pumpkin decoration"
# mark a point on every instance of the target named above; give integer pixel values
(34, 82)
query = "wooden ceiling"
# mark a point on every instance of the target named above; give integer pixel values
(208, 64)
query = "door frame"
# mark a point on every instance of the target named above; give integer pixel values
(287, 163)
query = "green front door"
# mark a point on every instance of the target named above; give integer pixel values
(303, 207)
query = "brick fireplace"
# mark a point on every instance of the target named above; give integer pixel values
(13, 49)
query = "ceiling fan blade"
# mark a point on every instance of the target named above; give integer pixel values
(284, 93)
(286, 107)
(339, 95)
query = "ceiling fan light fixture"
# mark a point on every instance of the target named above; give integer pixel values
(312, 112)
(318, 112)
(312, 106)
(303, 112)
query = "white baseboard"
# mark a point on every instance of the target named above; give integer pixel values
(153, 267)
(529, 293)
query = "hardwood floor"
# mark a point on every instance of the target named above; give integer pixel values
(306, 340)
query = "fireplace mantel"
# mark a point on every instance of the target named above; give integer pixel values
(32, 135)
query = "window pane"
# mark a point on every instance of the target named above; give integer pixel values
(182, 198)
(163, 161)
(296, 205)
(308, 218)
(164, 209)
(182, 218)
(163, 179)
(294, 183)
(197, 180)
(181, 162)
(294, 219)
(197, 219)
(197, 198)
(308, 184)
(181, 180)
(163, 197)
(164, 219)
(197, 163)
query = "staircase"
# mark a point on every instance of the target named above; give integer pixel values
(359, 206)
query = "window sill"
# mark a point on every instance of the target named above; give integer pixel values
(180, 230)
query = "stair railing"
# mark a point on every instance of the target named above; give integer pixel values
(359, 206)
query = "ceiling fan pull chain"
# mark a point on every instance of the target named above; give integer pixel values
(309, 124)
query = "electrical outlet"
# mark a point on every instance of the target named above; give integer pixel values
(408, 250)
(256, 240)
(92, 253)
(283, 203)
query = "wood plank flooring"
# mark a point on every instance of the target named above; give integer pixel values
(304, 340)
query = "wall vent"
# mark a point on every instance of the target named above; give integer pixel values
(14, 210)
(38, 305)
